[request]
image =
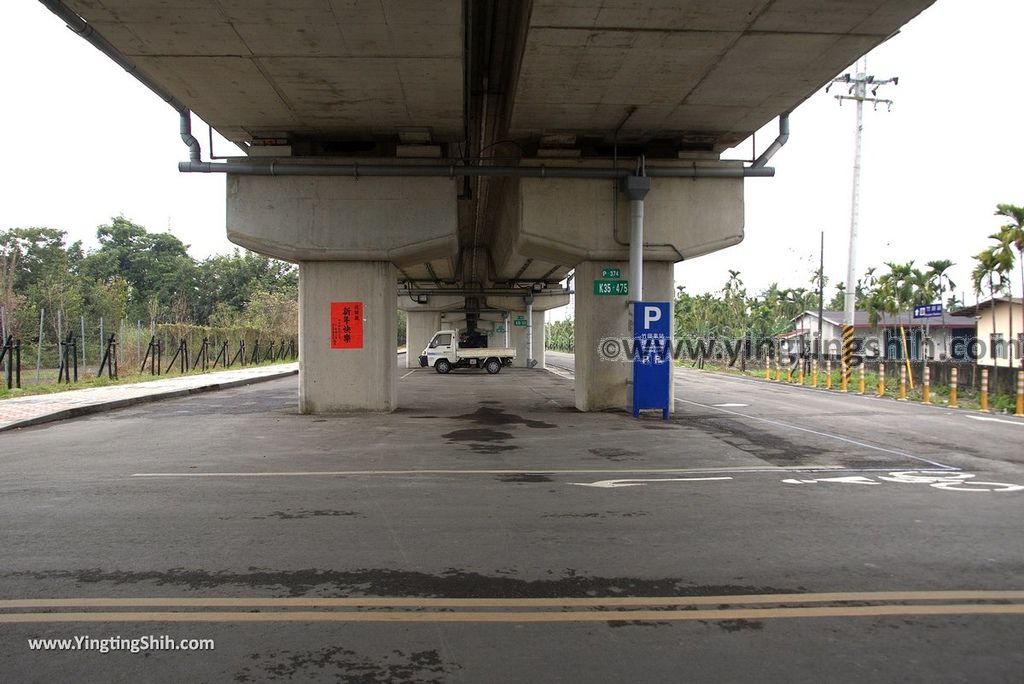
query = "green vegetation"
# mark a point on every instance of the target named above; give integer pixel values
(136, 284)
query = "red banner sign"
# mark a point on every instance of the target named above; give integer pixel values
(346, 325)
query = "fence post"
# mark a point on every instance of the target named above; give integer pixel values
(6, 355)
(983, 399)
(952, 388)
(17, 364)
(926, 385)
(1020, 394)
(881, 379)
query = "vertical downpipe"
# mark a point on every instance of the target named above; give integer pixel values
(530, 363)
(635, 188)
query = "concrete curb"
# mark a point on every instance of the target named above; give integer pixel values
(103, 406)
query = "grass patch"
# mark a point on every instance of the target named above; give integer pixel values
(86, 381)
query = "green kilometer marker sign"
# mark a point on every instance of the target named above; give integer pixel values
(614, 288)
(612, 273)
(519, 322)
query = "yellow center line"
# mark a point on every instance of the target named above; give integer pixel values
(520, 617)
(567, 602)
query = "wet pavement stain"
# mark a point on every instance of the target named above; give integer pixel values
(452, 583)
(481, 440)
(341, 664)
(617, 455)
(524, 478)
(302, 515)
(605, 514)
(496, 416)
(477, 435)
(739, 625)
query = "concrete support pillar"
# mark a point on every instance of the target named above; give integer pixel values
(348, 379)
(520, 340)
(603, 384)
(420, 326)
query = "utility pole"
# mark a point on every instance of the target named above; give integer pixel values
(858, 87)
(821, 295)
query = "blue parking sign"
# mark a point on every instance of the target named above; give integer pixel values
(652, 358)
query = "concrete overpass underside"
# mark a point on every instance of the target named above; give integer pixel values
(463, 157)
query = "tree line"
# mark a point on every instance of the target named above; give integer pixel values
(734, 312)
(138, 276)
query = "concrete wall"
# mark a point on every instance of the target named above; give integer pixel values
(336, 380)
(403, 220)
(600, 383)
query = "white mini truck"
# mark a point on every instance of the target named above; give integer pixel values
(444, 354)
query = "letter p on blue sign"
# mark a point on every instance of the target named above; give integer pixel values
(652, 360)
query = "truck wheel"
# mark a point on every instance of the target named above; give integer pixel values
(442, 366)
(492, 366)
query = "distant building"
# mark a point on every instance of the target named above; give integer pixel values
(997, 338)
(949, 335)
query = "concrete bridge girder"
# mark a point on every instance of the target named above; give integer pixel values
(407, 221)
(567, 221)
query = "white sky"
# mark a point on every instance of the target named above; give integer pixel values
(84, 141)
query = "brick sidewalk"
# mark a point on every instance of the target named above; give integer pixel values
(42, 408)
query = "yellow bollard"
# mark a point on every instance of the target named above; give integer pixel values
(789, 374)
(926, 385)
(767, 367)
(860, 383)
(983, 399)
(952, 388)
(881, 379)
(903, 384)
(828, 374)
(800, 373)
(814, 372)
(1020, 394)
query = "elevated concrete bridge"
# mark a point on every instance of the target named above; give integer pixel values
(459, 158)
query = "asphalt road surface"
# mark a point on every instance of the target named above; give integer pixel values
(488, 532)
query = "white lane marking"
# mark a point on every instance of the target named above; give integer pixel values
(996, 420)
(730, 405)
(973, 485)
(611, 484)
(854, 479)
(790, 426)
(549, 471)
(409, 373)
(955, 482)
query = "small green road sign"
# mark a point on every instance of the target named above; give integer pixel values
(499, 329)
(612, 273)
(520, 322)
(611, 287)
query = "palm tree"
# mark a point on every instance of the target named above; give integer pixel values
(1003, 255)
(939, 280)
(1015, 232)
(988, 270)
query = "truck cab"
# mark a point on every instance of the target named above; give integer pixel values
(443, 353)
